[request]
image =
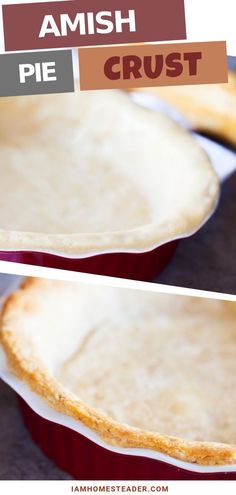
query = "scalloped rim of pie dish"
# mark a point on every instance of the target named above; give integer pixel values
(179, 223)
(62, 400)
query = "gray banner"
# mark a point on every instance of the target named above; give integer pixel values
(32, 73)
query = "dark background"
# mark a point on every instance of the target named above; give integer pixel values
(20, 458)
(208, 259)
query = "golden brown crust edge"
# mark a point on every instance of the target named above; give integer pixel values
(203, 453)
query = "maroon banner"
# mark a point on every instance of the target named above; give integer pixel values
(86, 22)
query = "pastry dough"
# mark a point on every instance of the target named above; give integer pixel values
(142, 369)
(89, 172)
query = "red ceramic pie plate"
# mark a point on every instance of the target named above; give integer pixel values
(136, 266)
(85, 460)
(130, 265)
(78, 450)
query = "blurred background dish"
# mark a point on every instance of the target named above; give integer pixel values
(210, 109)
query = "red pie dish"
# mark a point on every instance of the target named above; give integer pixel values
(142, 385)
(90, 181)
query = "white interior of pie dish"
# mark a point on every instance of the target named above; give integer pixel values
(39, 406)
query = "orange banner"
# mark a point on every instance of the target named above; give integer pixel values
(130, 66)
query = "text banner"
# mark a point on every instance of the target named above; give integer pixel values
(131, 66)
(76, 23)
(36, 73)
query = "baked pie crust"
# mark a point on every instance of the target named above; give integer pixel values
(89, 172)
(209, 107)
(142, 369)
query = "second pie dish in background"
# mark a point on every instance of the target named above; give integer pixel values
(208, 108)
(92, 182)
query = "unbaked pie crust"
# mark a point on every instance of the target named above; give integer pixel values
(90, 172)
(142, 369)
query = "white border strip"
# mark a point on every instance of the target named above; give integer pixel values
(24, 270)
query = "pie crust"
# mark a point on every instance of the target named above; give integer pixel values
(90, 172)
(142, 369)
(209, 107)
